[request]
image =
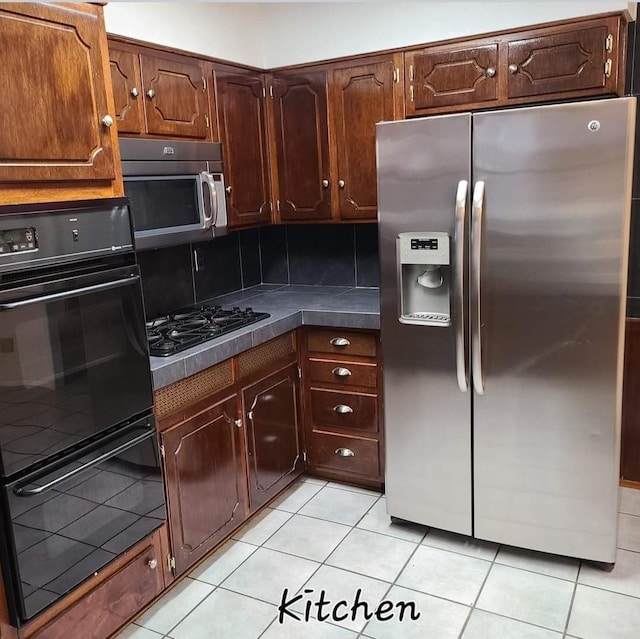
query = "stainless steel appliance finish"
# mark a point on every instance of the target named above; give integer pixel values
(542, 267)
(176, 190)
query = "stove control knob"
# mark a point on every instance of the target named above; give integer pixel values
(248, 311)
(236, 309)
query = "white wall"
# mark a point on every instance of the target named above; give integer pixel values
(232, 31)
(301, 32)
(276, 34)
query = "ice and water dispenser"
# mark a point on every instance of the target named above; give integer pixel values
(424, 269)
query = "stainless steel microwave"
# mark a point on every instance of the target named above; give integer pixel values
(176, 191)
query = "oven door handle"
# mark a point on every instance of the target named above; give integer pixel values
(52, 297)
(21, 491)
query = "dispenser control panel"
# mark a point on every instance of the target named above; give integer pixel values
(424, 248)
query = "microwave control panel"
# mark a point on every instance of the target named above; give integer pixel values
(18, 240)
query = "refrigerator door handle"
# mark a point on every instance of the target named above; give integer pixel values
(458, 289)
(477, 207)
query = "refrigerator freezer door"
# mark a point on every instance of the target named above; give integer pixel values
(422, 169)
(553, 280)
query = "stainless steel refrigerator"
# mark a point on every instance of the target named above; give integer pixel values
(503, 247)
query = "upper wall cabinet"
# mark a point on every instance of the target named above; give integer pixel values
(243, 133)
(301, 145)
(56, 107)
(572, 60)
(159, 94)
(361, 96)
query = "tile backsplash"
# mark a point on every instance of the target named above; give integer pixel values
(328, 254)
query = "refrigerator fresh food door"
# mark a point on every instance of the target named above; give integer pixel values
(423, 181)
(549, 261)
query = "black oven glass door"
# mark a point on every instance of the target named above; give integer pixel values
(67, 524)
(168, 203)
(73, 362)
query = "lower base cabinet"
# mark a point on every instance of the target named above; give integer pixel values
(274, 450)
(206, 496)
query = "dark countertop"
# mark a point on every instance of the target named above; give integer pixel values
(289, 307)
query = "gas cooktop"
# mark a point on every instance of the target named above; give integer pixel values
(187, 327)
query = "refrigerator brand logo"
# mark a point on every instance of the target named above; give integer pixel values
(593, 126)
(341, 610)
(167, 150)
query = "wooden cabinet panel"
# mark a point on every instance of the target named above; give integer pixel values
(204, 477)
(54, 95)
(362, 96)
(350, 455)
(127, 90)
(343, 373)
(241, 117)
(114, 602)
(558, 62)
(341, 342)
(274, 453)
(630, 461)
(458, 75)
(302, 145)
(342, 410)
(175, 98)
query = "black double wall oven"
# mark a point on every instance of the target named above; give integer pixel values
(80, 468)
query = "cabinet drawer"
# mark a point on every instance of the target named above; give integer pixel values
(341, 342)
(331, 409)
(344, 454)
(111, 604)
(343, 373)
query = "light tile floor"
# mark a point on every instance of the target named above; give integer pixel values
(323, 535)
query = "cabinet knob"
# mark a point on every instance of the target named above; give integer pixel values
(490, 72)
(341, 372)
(343, 409)
(152, 563)
(344, 452)
(341, 342)
(238, 422)
(107, 121)
(228, 189)
(325, 184)
(341, 184)
(151, 94)
(513, 68)
(134, 92)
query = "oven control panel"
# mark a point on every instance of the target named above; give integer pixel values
(18, 240)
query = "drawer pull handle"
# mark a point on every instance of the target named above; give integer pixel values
(341, 372)
(341, 342)
(343, 409)
(152, 563)
(345, 452)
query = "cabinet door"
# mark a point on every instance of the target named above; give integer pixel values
(557, 62)
(302, 146)
(452, 76)
(242, 122)
(175, 97)
(54, 95)
(204, 477)
(361, 97)
(273, 434)
(127, 89)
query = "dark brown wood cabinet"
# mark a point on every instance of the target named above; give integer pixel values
(301, 145)
(343, 431)
(127, 89)
(457, 75)
(175, 96)
(361, 96)
(243, 133)
(56, 107)
(273, 433)
(206, 494)
(567, 60)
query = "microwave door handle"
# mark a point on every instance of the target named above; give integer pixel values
(209, 220)
(54, 297)
(21, 491)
